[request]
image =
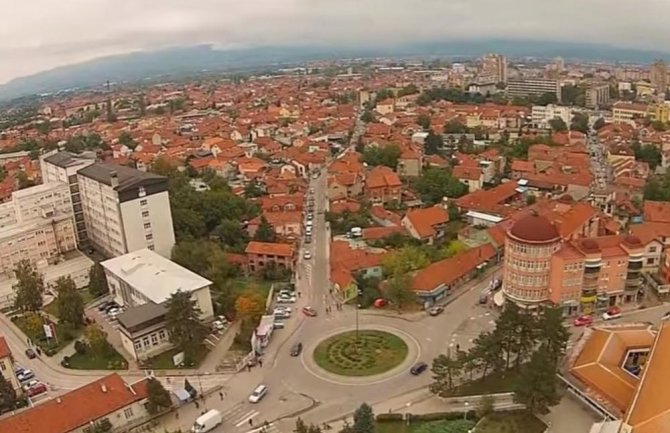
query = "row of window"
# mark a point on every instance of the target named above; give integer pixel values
(534, 250)
(528, 264)
(149, 341)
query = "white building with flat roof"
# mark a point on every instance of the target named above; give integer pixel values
(541, 115)
(143, 281)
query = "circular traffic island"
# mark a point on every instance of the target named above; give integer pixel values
(371, 352)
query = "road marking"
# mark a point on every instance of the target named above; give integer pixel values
(246, 417)
(270, 428)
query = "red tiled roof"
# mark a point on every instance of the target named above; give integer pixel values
(270, 249)
(76, 408)
(448, 271)
(469, 173)
(424, 220)
(657, 211)
(373, 233)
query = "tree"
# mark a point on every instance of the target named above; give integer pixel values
(183, 323)
(70, 303)
(437, 183)
(433, 143)
(580, 122)
(250, 304)
(486, 406)
(531, 200)
(265, 231)
(486, 353)
(97, 341)
(43, 127)
(23, 181)
(455, 127)
(7, 395)
(649, 153)
(28, 288)
(364, 419)
(399, 291)
(367, 116)
(301, 427)
(387, 155)
(599, 123)
(557, 124)
(33, 324)
(97, 285)
(407, 259)
(445, 369)
(158, 398)
(553, 335)
(423, 120)
(659, 125)
(444, 426)
(537, 388)
(127, 140)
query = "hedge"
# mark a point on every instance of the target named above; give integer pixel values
(390, 417)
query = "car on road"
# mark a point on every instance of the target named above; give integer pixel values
(25, 375)
(418, 368)
(258, 394)
(296, 349)
(436, 310)
(583, 320)
(307, 255)
(284, 312)
(37, 389)
(111, 306)
(286, 299)
(308, 239)
(310, 216)
(278, 324)
(612, 313)
(31, 354)
(309, 311)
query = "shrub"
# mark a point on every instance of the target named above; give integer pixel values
(389, 417)
(80, 347)
(448, 416)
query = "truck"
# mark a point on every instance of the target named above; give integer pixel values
(207, 421)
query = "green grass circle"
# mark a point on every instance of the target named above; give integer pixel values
(373, 353)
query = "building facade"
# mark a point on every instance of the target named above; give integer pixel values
(658, 76)
(62, 167)
(494, 68)
(7, 365)
(597, 96)
(541, 115)
(126, 210)
(526, 87)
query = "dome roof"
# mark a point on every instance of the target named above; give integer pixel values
(534, 228)
(590, 245)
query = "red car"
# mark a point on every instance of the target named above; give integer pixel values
(309, 311)
(583, 321)
(37, 389)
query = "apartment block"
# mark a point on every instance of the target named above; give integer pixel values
(627, 112)
(63, 167)
(125, 209)
(597, 96)
(541, 115)
(533, 87)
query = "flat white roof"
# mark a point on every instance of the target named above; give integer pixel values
(484, 216)
(153, 275)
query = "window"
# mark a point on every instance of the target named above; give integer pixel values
(2, 365)
(143, 202)
(145, 341)
(138, 345)
(650, 261)
(154, 339)
(652, 249)
(128, 412)
(149, 236)
(145, 214)
(161, 334)
(147, 225)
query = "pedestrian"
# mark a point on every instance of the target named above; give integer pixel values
(39, 352)
(221, 395)
(251, 422)
(458, 347)
(249, 367)
(176, 414)
(197, 406)
(299, 294)
(260, 362)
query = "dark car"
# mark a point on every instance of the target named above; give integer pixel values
(296, 349)
(30, 353)
(418, 368)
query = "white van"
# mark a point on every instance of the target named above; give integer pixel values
(356, 232)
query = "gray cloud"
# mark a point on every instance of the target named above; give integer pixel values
(37, 35)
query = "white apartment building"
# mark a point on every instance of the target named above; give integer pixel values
(125, 209)
(63, 167)
(534, 87)
(143, 281)
(541, 115)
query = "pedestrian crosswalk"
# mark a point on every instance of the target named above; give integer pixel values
(247, 419)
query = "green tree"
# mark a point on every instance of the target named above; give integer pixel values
(33, 324)
(232, 235)
(97, 285)
(7, 395)
(553, 335)
(407, 259)
(486, 353)
(364, 419)
(97, 341)
(445, 370)
(659, 126)
(183, 324)
(44, 128)
(70, 303)
(437, 183)
(557, 124)
(599, 123)
(580, 122)
(649, 153)
(486, 406)
(265, 231)
(29, 287)
(158, 398)
(127, 140)
(387, 156)
(455, 127)
(423, 120)
(444, 426)
(23, 181)
(252, 190)
(537, 388)
(367, 116)
(399, 291)
(433, 143)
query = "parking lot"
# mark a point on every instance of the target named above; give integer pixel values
(35, 389)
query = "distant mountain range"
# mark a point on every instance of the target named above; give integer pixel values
(175, 62)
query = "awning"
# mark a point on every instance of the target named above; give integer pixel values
(182, 395)
(499, 298)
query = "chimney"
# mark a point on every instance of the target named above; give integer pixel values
(114, 178)
(103, 387)
(59, 400)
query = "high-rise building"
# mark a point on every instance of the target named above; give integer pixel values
(659, 76)
(125, 209)
(533, 87)
(597, 96)
(63, 167)
(494, 68)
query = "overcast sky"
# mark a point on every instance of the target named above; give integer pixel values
(41, 34)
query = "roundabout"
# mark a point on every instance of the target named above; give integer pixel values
(362, 353)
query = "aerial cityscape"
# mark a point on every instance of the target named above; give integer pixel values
(275, 240)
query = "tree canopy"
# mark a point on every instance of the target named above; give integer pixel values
(364, 419)
(437, 183)
(28, 288)
(8, 397)
(387, 155)
(183, 324)
(433, 143)
(70, 303)
(97, 285)
(557, 124)
(649, 153)
(158, 397)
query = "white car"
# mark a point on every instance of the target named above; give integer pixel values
(114, 312)
(30, 384)
(258, 394)
(281, 312)
(25, 375)
(286, 299)
(219, 325)
(307, 255)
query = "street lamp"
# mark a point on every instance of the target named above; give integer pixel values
(465, 412)
(359, 293)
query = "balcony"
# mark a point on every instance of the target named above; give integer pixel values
(591, 269)
(635, 266)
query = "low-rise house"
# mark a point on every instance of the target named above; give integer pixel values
(426, 224)
(347, 263)
(383, 185)
(259, 254)
(473, 177)
(109, 399)
(287, 225)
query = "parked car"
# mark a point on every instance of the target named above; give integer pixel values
(29, 384)
(38, 389)
(280, 312)
(296, 349)
(612, 313)
(25, 375)
(111, 306)
(436, 310)
(278, 324)
(103, 306)
(31, 354)
(309, 311)
(285, 308)
(219, 325)
(584, 320)
(286, 299)
(418, 368)
(310, 216)
(114, 312)
(258, 394)
(307, 255)
(308, 239)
